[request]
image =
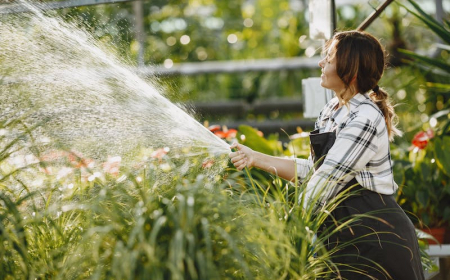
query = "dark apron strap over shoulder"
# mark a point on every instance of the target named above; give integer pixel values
(320, 144)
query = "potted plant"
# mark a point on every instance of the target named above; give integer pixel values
(424, 179)
(423, 172)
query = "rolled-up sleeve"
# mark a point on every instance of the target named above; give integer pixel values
(303, 167)
(355, 145)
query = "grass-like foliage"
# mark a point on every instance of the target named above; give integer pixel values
(131, 224)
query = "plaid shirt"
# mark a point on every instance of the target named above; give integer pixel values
(361, 150)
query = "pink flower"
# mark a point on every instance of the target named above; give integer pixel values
(112, 165)
(48, 170)
(78, 161)
(207, 163)
(53, 156)
(160, 153)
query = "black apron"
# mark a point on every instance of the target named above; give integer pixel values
(382, 248)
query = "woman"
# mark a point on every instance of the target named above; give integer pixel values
(350, 147)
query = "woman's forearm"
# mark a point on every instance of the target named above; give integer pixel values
(242, 157)
(282, 167)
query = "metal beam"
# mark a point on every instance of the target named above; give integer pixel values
(233, 66)
(18, 8)
(242, 108)
(275, 126)
(374, 15)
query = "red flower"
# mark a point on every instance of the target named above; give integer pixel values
(223, 132)
(214, 128)
(226, 134)
(421, 139)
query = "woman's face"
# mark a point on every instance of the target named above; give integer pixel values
(329, 77)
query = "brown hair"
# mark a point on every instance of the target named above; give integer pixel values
(359, 54)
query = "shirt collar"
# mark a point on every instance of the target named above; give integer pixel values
(352, 105)
(357, 100)
(330, 109)
(338, 115)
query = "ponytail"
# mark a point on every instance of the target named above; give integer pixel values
(381, 98)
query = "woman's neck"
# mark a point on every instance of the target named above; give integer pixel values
(344, 97)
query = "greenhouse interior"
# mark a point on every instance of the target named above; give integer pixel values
(169, 139)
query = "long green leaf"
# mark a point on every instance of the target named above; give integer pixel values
(430, 61)
(439, 87)
(432, 23)
(442, 153)
(422, 12)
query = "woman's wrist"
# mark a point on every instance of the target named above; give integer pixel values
(264, 162)
(258, 160)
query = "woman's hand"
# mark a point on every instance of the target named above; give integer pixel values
(242, 157)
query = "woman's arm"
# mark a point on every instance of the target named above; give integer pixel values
(246, 157)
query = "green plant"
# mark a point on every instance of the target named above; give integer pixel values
(137, 223)
(438, 68)
(423, 172)
(425, 179)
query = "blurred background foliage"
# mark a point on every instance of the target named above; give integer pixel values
(196, 31)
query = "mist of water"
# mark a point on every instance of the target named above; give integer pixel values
(87, 98)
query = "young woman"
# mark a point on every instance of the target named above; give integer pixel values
(350, 146)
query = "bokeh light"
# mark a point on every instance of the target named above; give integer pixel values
(310, 51)
(232, 38)
(248, 22)
(401, 94)
(171, 41)
(433, 122)
(201, 53)
(185, 39)
(168, 63)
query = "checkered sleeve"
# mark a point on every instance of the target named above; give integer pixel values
(303, 166)
(355, 145)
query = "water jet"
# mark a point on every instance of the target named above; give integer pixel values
(87, 99)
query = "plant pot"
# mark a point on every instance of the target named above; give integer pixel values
(438, 233)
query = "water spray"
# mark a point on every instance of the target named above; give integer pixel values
(92, 101)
